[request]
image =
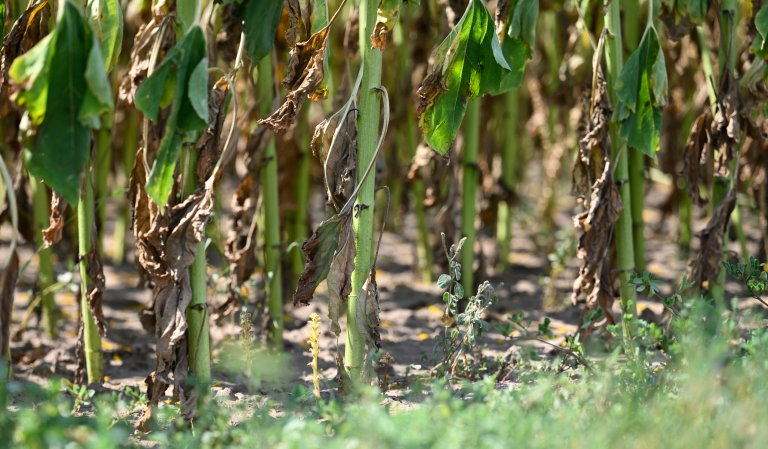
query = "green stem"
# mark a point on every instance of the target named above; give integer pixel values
(623, 229)
(469, 193)
(131, 141)
(425, 254)
(40, 211)
(101, 172)
(94, 362)
(198, 333)
(272, 246)
(509, 159)
(368, 125)
(636, 157)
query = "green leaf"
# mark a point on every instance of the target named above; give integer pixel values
(444, 281)
(761, 26)
(3, 11)
(63, 141)
(261, 19)
(106, 19)
(184, 71)
(470, 62)
(519, 39)
(98, 96)
(641, 90)
(31, 71)
(187, 11)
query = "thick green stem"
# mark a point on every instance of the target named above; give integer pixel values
(636, 157)
(469, 193)
(101, 172)
(509, 159)
(625, 257)
(131, 140)
(272, 244)
(368, 126)
(425, 254)
(94, 362)
(198, 333)
(45, 267)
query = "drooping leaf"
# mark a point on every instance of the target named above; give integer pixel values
(641, 90)
(386, 18)
(340, 159)
(106, 19)
(320, 250)
(184, 70)
(468, 63)
(73, 69)
(261, 19)
(306, 67)
(339, 278)
(28, 29)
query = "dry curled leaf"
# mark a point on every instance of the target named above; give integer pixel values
(697, 157)
(596, 224)
(166, 245)
(320, 250)
(8, 279)
(304, 72)
(340, 159)
(140, 56)
(594, 146)
(386, 18)
(53, 233)
(339, 278)
(706, 264)
(27, 30)
(367, 312)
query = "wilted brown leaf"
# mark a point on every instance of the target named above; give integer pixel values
(596, 225)
(386, 18)
(431, 88)
(304, 72)
(339, 278)
(27, 30)
(677, 27)
(8, 279)
(340, 161)
(140, 55)
(52, 234)
(698, 154)
(367, 312)
(319, 251)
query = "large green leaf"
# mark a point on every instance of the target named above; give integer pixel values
(261, 19)
(106, 19)
(641, 90)
(68, 63)
(468, 63)
(184, 72)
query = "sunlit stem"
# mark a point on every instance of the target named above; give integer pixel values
(40, 211)
(85, 222)
(625, 257)
(368, 126)
(271, 210)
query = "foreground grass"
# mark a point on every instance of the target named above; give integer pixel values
(710, 393)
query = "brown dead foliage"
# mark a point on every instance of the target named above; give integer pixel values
(53, 233)
(320, 251)
(304, 72)
(385, 24)
(26, 31)
(340, 159)
(593, 173)
(8, 279)
(705, 266)
(697, 161)
(431, 87)
(140, 55)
